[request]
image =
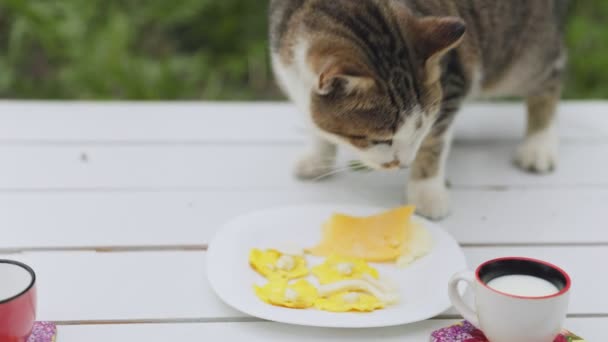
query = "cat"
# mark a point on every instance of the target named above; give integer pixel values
(387, 77)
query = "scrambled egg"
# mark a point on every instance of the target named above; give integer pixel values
(336, 268)
(349, 301)
(272, 264)
(299, 295)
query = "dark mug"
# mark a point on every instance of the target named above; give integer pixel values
(17, 301)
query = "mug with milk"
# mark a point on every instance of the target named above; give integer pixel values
(17, 301)
(516, 299)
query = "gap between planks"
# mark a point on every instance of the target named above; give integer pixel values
(107, 249)
(194, 189)
(297, 142)
(240, 320)
(203, 247)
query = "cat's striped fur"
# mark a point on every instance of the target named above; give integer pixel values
(387, 77)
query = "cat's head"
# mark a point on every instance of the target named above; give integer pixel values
(376, 84)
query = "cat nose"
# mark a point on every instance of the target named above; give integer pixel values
(392, 165)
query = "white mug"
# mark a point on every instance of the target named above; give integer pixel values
(505, 317)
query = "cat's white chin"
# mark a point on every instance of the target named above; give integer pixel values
(538, 153)
(430, 196)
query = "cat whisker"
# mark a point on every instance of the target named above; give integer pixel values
(320, 167)
(326, 160)
(332, 172)
(357, 165)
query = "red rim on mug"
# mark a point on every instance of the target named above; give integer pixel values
(526, 266)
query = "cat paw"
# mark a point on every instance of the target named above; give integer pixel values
(431, 198)
(538, 153)
(311, 167)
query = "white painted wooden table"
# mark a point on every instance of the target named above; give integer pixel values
(113, 205)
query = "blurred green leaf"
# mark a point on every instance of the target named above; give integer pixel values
(191, 49)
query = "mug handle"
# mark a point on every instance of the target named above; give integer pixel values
(468, 313)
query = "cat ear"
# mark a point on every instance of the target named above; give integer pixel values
(438, 35)
(346, 77)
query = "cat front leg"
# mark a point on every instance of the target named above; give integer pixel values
(426, 188)
(318, 161)
(538, 152)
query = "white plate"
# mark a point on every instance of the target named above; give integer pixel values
(422, 285)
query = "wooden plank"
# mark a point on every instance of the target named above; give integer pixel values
(268, 167)
(122, 122)
(143, 218)
(122, 286)
(593, 329)
(100, 219)
(87, 286)
(145, 122)
(520, 216)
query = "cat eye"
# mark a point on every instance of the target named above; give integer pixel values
(363, 140)
(382, 142)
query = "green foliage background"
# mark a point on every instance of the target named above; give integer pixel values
(190, 49)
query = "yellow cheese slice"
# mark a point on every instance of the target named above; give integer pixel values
(376, 238)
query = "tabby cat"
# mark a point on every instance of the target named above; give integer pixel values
(387, 77)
